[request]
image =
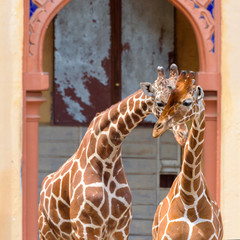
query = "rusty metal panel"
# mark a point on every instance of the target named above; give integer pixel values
(147, 39)
(82, 62)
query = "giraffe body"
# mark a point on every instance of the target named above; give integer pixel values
(89, 196)
(188, 211)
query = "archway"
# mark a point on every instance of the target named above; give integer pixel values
(205, 19)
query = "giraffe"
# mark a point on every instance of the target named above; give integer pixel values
(188, 211)
(88, 197)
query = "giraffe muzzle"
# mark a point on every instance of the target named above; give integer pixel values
(159, 129)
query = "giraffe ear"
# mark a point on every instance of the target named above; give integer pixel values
(199, 93)
(148, 89)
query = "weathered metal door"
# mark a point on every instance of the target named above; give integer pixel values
(103, 50)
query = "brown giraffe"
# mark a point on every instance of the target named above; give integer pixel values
(188, 211)
(89, 196)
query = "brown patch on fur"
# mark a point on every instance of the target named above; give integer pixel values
(187, 199)
(114, 115)
(84, 217)
(135, 117)
(111, 224)
(106, 178)
(93, 233)
(201, 135)
(123, 221)
(103, 148)
(63, 210)
(56, 187)
(53, 212)
(204, 209)
(199, 192)
(121, 177)
(115, 136)
(90, 176)
(93, 214)
(118, 235)
(199, 149)
(191, 214)
(198, 160)
(124, 193)
(202, 231)
(178, 230)
(162, 227)
(123, 108)
(144, 106)
(196, 183)
(77, 202)
(122, 126)
(188, 156)
(79, 152)
(192, 142)
(91, 146)
(186, 184)
(65, 188)
(137, 109)
(46, 203)
(131, 104)
(197, 169)
(129, 121)
(187, 170)
(97, 165)
(104, 122)
(176, 209)
(83, 159)
(117, 208)
(94, 195)
(112, 186)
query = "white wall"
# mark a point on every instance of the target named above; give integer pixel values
(11, 40)
(230, 129)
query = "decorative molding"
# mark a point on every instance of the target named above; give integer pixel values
(200, 14)
(46, 11)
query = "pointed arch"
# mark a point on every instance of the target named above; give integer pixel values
(205, 21)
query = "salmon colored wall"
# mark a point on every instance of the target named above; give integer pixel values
(230, 127)
(11, 39)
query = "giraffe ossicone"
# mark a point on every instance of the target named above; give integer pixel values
(188, 211)
(88, 197)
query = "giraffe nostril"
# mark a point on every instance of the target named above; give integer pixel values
(181, 134)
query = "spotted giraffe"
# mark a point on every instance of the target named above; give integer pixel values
(89, 196)
(188, 211)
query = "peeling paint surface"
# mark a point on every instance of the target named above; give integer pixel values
(147, 39)
(82, 54)
(82, 61)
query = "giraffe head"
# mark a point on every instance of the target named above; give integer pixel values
(159, 92)
(184, 104)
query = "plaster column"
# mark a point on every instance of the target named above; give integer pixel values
(230, 141)
(11, 39)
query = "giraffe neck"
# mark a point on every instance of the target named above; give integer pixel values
(191, 181)
(109, 128)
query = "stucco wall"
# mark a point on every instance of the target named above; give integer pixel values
(230, 135)
(11, 33)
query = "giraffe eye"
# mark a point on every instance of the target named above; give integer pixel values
(160, 104)
(187, 102)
